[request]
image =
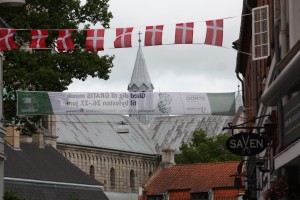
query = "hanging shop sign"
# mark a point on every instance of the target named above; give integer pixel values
(118, 103)
(246, 144)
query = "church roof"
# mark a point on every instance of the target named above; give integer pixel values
(100, 131)
(172, 131)
(43, 173)
(149, 137)
(140, 76)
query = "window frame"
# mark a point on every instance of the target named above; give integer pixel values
(260, 33)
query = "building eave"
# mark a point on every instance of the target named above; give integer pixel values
(288, 77)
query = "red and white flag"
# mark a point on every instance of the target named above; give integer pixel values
(7, 41)
(64, 41)
(95, 40)
(214, 32)
(38, 39)
(123, 39)
(184, 33)
(153, 35)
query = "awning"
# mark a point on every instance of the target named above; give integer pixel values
(287, 155)
(289, 76)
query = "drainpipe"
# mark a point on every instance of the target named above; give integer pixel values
(246, 3)
(280, 38)
(242, 82)
(283, 30)
(255, 86)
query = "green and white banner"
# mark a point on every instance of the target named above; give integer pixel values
(149, 103)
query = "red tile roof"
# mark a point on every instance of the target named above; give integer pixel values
(199, 177)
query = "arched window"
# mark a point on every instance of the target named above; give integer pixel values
(112, 177)
(132, 182)
(150, 173)
(92, 171)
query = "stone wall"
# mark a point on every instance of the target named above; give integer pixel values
(118, 171)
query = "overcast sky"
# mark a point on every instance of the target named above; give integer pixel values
(172, 68)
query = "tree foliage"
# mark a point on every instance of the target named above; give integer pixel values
(205, 149)
(10, 195)
(48, 70)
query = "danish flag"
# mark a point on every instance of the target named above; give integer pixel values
(184, 33)
(214, 32)
(7, 41)
(95, 40)
(153, 35)
(64, 40)
(123, 39)
(38, 39)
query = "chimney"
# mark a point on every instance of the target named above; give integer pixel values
(12, 136)
(167, 158)
(38, 138)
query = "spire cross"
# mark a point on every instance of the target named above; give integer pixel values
(139, 38)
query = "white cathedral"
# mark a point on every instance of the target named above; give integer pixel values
(123, 161)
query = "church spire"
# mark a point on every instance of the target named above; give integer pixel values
(140, 79)
(140, 39)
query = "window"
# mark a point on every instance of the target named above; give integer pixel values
(45, 122)
(156, 197)
(260, 33)
(182, 195)
(199, 196)
(112, 177)
(92, 171)
(132, 183)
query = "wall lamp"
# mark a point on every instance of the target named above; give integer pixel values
(261, 165)
(269, 127)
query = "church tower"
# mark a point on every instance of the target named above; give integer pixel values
(140, 81)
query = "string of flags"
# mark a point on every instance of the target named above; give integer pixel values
(95, 37)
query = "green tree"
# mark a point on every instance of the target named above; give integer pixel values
(205, 149)
(10, 195)
(48, 70)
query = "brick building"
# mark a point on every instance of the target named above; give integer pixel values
(268, 68)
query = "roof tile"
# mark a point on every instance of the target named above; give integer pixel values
(199, 177)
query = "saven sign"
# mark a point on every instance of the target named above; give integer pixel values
(246, 144)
